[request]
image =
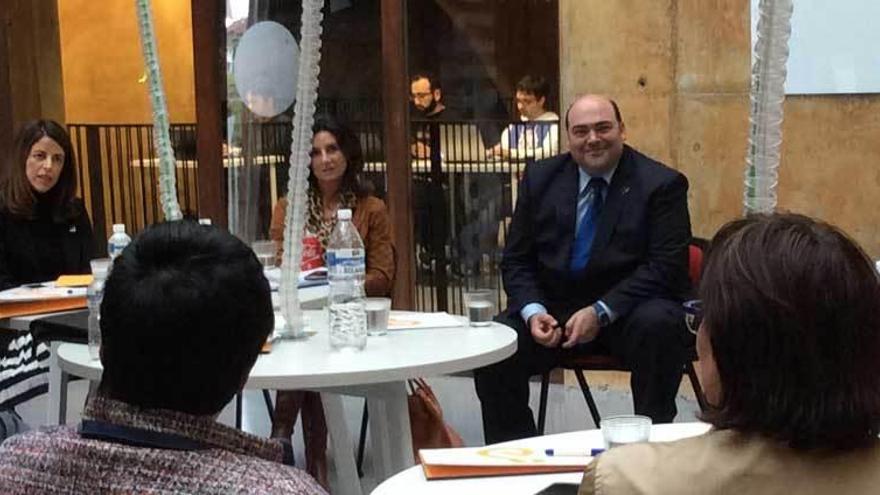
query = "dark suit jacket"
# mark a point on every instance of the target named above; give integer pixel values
(639, 252)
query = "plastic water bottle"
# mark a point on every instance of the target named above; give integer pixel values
(346, 269)
(94, 296)
(117, 242)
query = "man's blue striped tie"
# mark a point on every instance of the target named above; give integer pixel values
(580, 252)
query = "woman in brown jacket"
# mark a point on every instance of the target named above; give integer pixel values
(337, 162)
(789, 350)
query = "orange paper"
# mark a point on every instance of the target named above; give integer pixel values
(73, 281)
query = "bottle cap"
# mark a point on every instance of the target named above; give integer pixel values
(343, 214)
(118, 227)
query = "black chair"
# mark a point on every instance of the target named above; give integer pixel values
(610, 363)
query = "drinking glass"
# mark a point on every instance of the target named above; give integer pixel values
(100, 266)
(480, 304)
(378, 309)
(621, 430)
(265, 251)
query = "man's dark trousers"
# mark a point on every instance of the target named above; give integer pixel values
(651, 341)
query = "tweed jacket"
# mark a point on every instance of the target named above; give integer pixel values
(221, 459)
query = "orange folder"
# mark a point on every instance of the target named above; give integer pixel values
(10, 309)
(473, 462)
(446, 472)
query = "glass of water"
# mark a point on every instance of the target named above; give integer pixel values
(621, 430)
(265, 251)
(480, 305)
(378, 309)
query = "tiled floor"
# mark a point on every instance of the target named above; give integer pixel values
(566, 409)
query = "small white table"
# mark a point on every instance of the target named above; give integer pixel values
(413, 479)
(379, 373)
(56, 412)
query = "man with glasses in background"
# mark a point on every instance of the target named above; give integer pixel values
(537, 136)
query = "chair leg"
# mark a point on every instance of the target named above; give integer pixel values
(270, 408)
(363, 440)
(695, 384)
(588, 396)
(542, 405)
(238, 411)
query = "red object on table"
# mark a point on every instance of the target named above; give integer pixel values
(313, 253)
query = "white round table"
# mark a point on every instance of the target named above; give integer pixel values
(379, 373)
(413, 479)
(314, 297)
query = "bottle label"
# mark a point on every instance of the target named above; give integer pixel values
(114, 249)
(346, 261)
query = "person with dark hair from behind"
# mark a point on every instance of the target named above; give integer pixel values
(186, 310)
(537, 136)
(789, 349)
(44, 232)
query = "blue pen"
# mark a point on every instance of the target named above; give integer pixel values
(572, 453)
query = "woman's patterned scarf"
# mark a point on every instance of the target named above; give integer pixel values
(315, 222)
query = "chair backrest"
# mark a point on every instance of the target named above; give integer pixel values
(695, 264)
(696, 256)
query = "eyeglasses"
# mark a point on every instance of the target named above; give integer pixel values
(693, 314)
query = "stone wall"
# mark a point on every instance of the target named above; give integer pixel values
(680, 71)
(104, 69)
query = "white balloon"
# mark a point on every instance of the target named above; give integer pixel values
(265, 68)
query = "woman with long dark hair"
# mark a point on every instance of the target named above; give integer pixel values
(789, 349)
(44, 232)
(44, 228)
(334, 183)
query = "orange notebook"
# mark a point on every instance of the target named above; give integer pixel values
(10, 309)
(48, 297)
(475, 462)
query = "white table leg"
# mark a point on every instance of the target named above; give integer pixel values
(56, 412)
(390, 434)
(345, 478)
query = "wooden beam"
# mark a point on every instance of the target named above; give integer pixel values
(395, 92)
(7, 128)
(48, 76)
(210, 83)
(30, 65)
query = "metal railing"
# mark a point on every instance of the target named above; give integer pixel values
(118, 173)
(463, 194)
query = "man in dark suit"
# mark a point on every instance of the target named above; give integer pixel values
(596, 259)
